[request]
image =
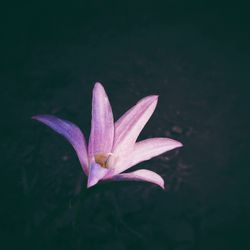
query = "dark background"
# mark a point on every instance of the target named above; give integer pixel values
(195, 55)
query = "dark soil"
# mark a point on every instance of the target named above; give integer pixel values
(197, 61)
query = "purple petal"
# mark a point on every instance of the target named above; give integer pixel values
(96, 173)
(71, 132)
(145, 150)
(129, 126)
(140, 175)
(102, 125)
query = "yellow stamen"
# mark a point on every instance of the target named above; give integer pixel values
(101, 159)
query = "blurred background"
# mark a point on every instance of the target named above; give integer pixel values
(194, 54)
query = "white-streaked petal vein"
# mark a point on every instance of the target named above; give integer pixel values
(129, 126)
(102, 124)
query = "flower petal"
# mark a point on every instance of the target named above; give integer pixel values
(102, 124)
(71, 132)
(96, 173)
(140, 175)
(145, 150)
(129, 126)
(149, 148)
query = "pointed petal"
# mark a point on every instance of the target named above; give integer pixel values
(102, 125)
(71, 132)
(141, 175)
(96, 173)
(149, 148)
(145, 150)
(129, 126)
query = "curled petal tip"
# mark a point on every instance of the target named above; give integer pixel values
(154, 97)
(35, 117)
(40, 118)
(179, 144)
(161, 185)
(91, 183)
(96, 173)
(98, 85)
(174, 143)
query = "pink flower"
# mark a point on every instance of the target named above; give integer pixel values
(112, 147)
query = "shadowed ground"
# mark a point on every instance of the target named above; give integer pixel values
(201, 77)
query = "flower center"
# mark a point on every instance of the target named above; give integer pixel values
(102, 159)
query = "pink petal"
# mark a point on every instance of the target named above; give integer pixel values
(149, 148)
(145, 150)
(140, 175)
(129, 126)
(102, 124)
(96, 173)
(71, 132)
